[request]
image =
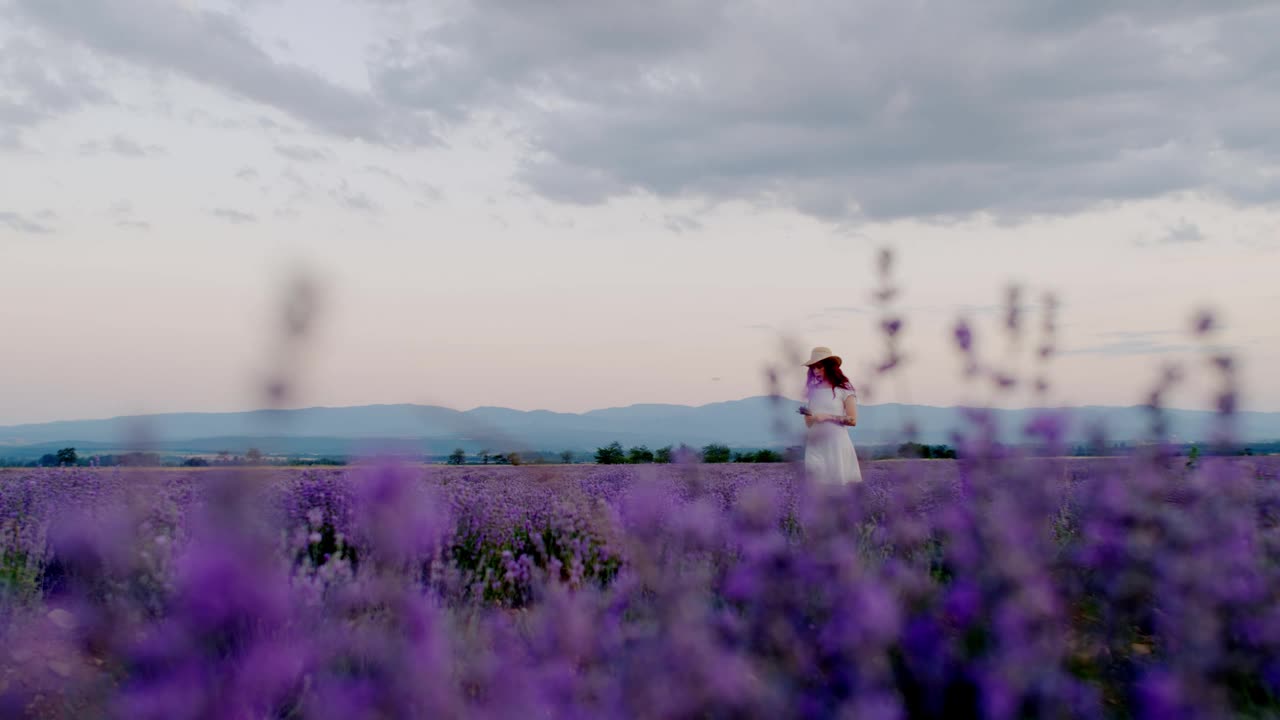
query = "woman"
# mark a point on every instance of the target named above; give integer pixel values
(832, 407)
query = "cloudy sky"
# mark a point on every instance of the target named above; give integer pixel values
(572, 204)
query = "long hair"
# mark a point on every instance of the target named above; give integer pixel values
(828, 371)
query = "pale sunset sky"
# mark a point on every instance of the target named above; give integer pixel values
(576, 204)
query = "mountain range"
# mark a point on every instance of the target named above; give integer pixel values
(756, 422)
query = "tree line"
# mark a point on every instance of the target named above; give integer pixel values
(614, 454)
(488, 457)
(70, 457)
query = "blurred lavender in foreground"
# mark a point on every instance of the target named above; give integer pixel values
(992, 587)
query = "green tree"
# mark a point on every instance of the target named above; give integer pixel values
(766, 456)
(484, 456)
(612, 454)
(716, 453)
(458, 457)
(66, 456)
(514, 458)
(254, 456)
(944, 452)
(662, 455)
(927, 452)
(566, 457)
(639, 455)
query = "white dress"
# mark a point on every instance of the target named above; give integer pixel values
(829, 456)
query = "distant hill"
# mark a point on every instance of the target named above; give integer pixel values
(752, 422)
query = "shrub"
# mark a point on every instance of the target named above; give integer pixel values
(611, 454)
(715, 453)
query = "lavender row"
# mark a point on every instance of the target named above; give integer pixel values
(992, 588)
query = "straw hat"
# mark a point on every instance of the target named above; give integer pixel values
(822, 353)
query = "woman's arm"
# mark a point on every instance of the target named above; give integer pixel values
(851, 410)
(849, 418)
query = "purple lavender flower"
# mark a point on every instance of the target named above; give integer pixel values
(990, 586)
(963, 334)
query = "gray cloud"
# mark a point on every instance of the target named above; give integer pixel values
(843, 310)
(1139, 334)
(681, 223)
(839, 313)
(351, 199)
(1182, 233)
(298, 185)
(1135, 342)
(40, 82)
(388, 175)
(1130, 347)
(302, 153)
(819, 327)
(234, 217)
(428, 193)
(1030, 311)
(21, 223)
(216, 49)
(425, 192)
(122, 211)
(865, 109)
(246, 173)
(121, 145)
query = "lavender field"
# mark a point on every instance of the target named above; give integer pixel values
(994, 587)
